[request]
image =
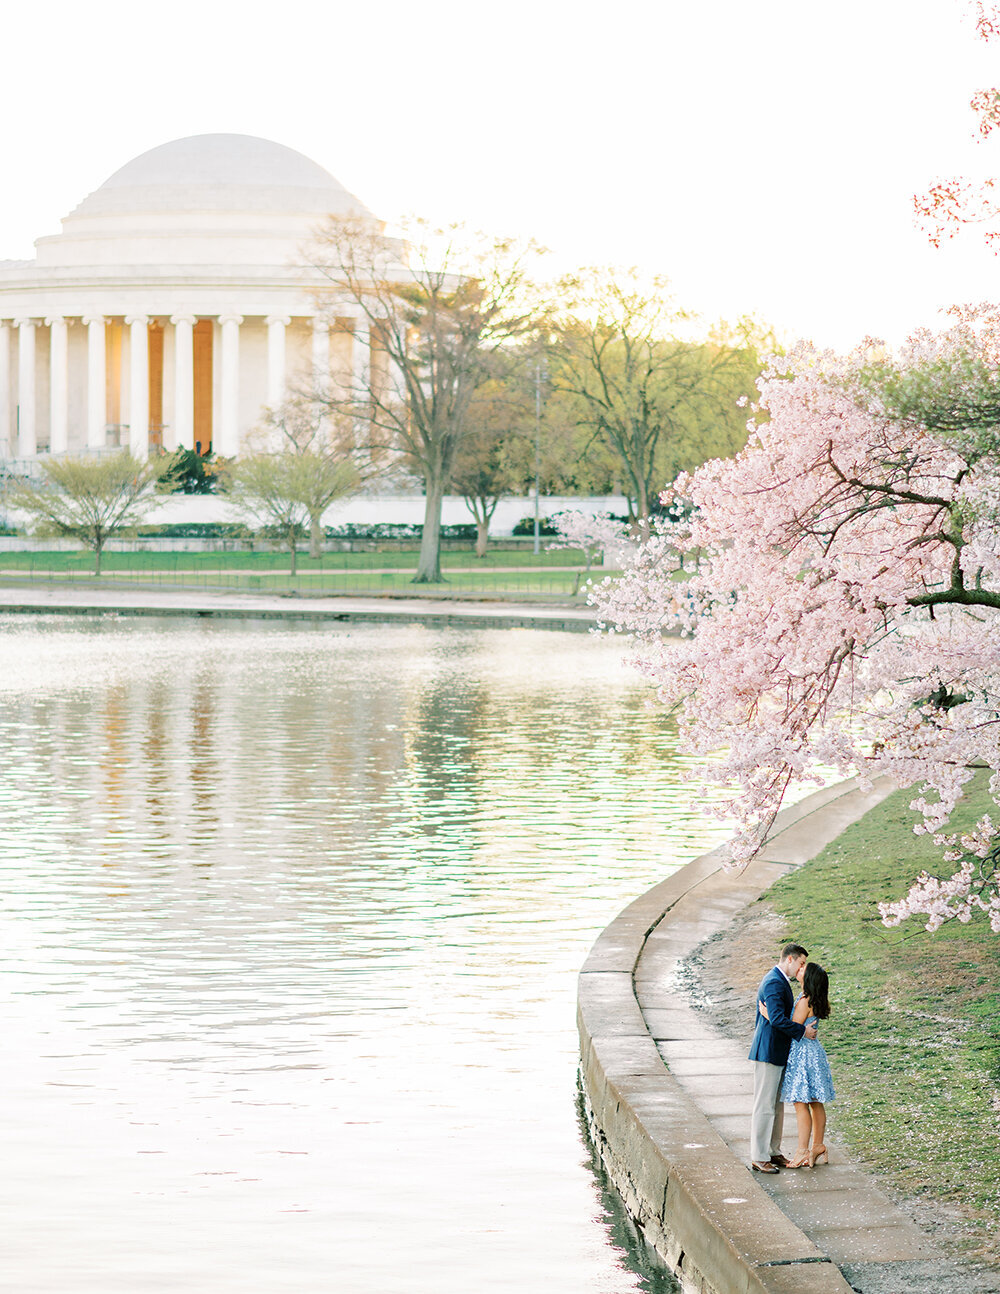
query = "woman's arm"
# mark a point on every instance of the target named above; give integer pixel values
(803, 1010)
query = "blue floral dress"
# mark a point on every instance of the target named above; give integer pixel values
(807, 1074)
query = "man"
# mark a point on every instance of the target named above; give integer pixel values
(772, 1042)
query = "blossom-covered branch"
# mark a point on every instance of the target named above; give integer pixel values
(952, 203)
(595, 534)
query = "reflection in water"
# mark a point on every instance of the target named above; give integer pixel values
(291, 925)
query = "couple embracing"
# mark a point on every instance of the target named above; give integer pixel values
(789, 1063)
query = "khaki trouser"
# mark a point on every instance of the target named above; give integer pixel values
(768, 1118)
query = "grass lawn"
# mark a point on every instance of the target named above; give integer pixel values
(244, 559)
(558, 574)
(914, 1038)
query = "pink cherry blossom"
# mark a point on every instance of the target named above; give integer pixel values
(595, 533)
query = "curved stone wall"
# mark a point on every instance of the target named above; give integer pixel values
(694, 1201)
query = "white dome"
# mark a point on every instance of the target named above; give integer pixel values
(208, 200)
(220, 173)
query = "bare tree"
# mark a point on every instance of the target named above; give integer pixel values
(91, 498)
(439, 308)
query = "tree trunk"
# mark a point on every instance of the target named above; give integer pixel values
(97, 558)
(642, 508)
(482, 514)
(292, 553)
(429, 565)
(315, 535)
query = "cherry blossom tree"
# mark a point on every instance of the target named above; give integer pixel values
(596, 533)
(845, 612)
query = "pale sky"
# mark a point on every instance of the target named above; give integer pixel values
(761, 156)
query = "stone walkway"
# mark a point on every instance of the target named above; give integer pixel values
(20, 596)
(839, 1207)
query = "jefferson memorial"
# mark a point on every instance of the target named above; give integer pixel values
(173, 306)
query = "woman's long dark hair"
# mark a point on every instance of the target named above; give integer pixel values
(816, 987)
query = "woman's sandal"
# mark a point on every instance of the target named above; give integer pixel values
(801, 1160)
(818, 1153)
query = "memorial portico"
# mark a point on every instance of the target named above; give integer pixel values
(172, 308)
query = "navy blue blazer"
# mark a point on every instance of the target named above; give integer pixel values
(772, 1039)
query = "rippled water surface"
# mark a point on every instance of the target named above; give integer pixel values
(291, 919)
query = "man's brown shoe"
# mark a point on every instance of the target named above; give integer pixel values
(763, 1168)
(780, 1160)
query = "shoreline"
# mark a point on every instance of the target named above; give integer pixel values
(431, 609)
(668, 1095)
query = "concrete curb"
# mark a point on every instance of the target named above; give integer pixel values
(713, 1222)
(220, 604)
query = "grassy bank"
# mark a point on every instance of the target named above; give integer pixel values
(551, 575)
(914, 1039)
(548, 583)
(275, 559)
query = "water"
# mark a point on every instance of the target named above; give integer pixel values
(290, 930)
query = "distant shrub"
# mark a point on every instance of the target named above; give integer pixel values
(397, 530)
(280, 533)
(194, 530)
(526, 526)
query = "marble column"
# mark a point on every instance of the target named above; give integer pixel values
(183, 437)
(58, 385)
(229, 383)
(27, 441)
(97, 382)
(138, 385)
(321, 354)
(5, 388)
(276, 359)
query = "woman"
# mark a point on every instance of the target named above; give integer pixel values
(808, 1081)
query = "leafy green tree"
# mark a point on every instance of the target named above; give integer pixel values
(492, 459)
(521, 430)
(331, 463)
(90, 498)
(572, 459)
(285, 489)
(656, 397)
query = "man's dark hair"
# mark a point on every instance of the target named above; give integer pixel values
(792, 950)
